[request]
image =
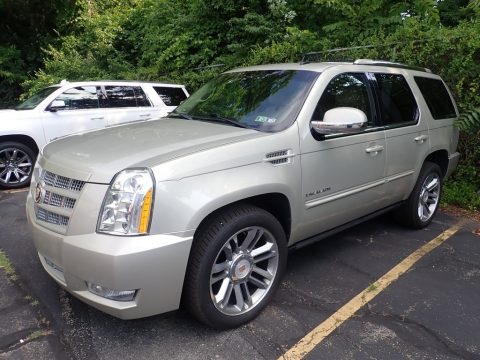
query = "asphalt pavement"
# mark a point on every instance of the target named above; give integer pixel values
(431, 312)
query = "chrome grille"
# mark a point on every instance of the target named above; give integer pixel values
(51, 218)
(77, 185)
(61, 182)
(58, 200)
(58, 196)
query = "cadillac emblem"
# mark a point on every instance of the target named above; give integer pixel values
(39, 192)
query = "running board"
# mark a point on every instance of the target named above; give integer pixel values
(336, 230)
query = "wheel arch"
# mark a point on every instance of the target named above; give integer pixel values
(439, 157)
(22, 139)
(275, 203)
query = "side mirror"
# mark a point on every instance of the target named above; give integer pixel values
(341, 120)
(56, 104)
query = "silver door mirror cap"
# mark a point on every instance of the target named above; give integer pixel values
(341, 120)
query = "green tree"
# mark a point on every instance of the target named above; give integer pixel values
(26, 27)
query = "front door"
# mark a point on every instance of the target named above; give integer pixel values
(76, 110)
(343, 175)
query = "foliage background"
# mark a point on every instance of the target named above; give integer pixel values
(45, 41)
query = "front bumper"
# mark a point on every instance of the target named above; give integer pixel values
(154, 265)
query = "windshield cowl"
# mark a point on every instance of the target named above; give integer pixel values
(215, 118)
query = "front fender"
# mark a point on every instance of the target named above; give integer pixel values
(180, 206)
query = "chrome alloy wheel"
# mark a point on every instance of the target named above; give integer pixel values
(15, 166)
(244, 270)
(429, 197)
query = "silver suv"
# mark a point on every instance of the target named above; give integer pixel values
(202, 206)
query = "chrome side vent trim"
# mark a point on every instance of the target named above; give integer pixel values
(279, 157)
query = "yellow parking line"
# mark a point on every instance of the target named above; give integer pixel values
(317, 335)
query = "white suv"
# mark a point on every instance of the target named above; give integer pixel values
(69, 108)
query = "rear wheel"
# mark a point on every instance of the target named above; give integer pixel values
(16, 165)
(237, 261)
(423, 202)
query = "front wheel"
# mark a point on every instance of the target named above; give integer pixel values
(16, 165)
(237, 261)
(423, 202)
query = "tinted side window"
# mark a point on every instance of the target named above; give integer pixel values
(346, 90)
(397, 102)
(80, 97)
(170, 96)
(437, 97)
(117, 96)
(141, 97)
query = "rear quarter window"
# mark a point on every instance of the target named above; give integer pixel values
(170, 96)
(437, 98)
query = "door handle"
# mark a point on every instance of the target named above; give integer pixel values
(374, 150)
(145, 115)
(421, 139)
(97, 118)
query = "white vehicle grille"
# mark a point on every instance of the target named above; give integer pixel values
(55, 199)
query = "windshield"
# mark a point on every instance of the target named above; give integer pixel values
(267, 100)
(36, 99)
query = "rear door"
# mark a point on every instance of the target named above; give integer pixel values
(125, 103)
(406, 134)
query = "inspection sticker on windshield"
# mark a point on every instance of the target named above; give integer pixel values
(265, 119)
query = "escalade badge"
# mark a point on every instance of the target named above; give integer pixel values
(39, 192)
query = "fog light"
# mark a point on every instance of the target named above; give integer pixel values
(118, 295)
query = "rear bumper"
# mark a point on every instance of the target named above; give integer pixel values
(154, 265)
(452, 163)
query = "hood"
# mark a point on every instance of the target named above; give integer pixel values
(9, 114)
(97, 156)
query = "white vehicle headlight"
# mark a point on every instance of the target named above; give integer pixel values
(127, 206)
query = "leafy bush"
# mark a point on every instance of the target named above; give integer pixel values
(469, 121)
(463, 189)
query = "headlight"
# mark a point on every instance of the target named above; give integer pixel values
(127, 206)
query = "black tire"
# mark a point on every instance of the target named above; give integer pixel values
(409, 214)
(16, 165)
(214, 240)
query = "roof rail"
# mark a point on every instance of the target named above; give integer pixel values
(307, 57)
(390, 64)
